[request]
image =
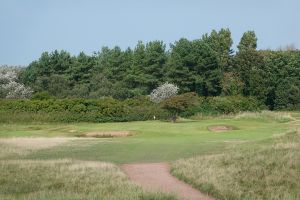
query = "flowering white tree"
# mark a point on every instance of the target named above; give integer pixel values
(9, 87)
(163, 92)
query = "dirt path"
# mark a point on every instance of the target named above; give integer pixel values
(157, 177)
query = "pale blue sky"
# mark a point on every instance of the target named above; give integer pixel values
(29, 27)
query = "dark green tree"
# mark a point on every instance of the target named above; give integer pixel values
(250, 66)
(221, 42)
(135, 78)
(231, 84)
(287, 94)
(194, 66)
(282, 67)
(81, 69)
(180, 65)
(147, 69)
(155, 62)
(114, 63)
(208, 73)
(248, 41)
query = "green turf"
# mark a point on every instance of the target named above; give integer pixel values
(153, 141)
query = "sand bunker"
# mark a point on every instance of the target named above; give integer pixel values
(101, 134)
(35, 143)
(220, 128)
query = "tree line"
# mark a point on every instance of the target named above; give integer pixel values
(208, 66)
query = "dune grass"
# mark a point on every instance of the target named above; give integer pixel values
(66, 179)
(256, 170)
(265, 115)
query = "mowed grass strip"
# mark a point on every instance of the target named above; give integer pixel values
(152, 141)
(257, 170)
(66, 180)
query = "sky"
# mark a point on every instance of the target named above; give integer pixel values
(30, 27)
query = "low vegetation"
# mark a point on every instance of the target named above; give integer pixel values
(263, 170)
(111, 110)
(68, 179)
(79, 110)
(61, 179)
(266, 115)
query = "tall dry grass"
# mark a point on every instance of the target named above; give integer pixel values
(266, 115)
(262, 115)
(22, 179)
(257, 171)
(67, 179)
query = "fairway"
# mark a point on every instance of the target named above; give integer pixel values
(151, 141)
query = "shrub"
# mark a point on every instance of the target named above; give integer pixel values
(42, 96)
(112, 110)
(80, 110)
(223, 105)
(180, 103)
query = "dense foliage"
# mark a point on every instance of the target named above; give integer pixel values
(180, 103)
(81, 110)
(48, 109)
(207, 66)
(224, 105)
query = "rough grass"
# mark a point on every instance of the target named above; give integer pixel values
(66, 179)
(263, 115)
(21, 146)
(35, 143)
(62, 179)
(265, 170)
(266, 115)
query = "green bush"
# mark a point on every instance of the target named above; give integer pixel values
(42, 96)
(79, 110)
(180, 103)
(112, 110)
(223, 105)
